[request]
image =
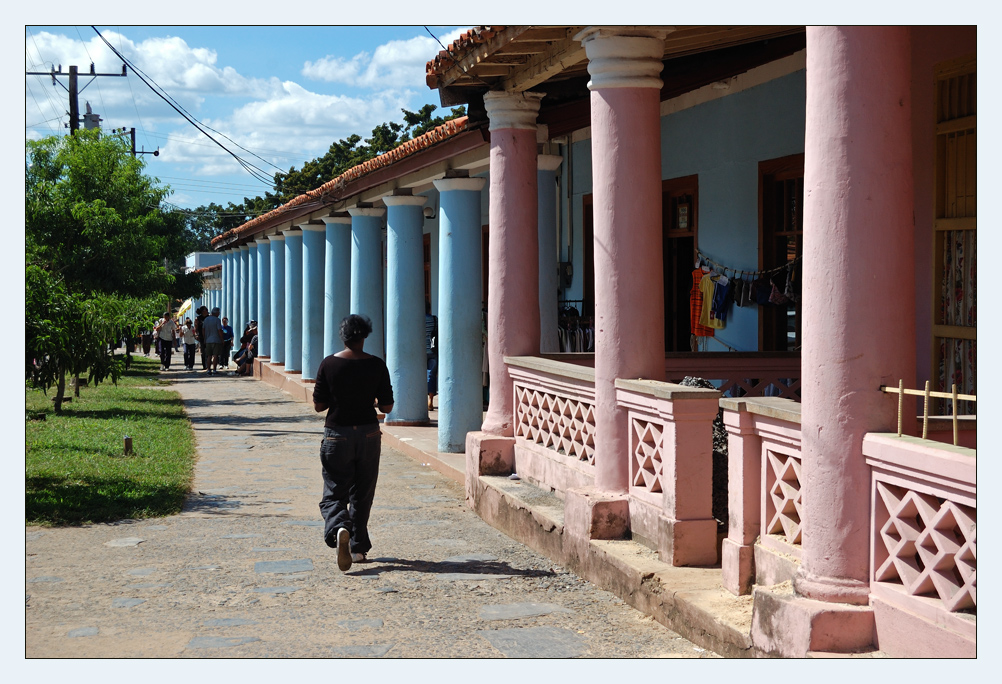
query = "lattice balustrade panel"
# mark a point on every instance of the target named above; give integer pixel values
(556, 422)
(928, 545)
(784, 499)
(645, 459)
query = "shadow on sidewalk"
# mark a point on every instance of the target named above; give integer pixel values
(377, 566)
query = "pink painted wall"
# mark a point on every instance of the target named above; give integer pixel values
(859, 277)
(930, 45)
(629, 299)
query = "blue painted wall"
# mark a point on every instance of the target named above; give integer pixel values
(723, 142)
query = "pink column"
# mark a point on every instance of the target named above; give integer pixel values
(626, 174)
(513, 286)
(859, 288)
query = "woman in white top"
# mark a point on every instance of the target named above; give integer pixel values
(166, 331)
(190, 343)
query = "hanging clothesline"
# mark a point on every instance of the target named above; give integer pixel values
(720, 268)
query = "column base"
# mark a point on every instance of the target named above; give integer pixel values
(687, 542)
(593, 514)
(738, 567)
(832, 589)
(787, 625)
(408, 423)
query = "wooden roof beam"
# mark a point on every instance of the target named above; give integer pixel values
(560, 56)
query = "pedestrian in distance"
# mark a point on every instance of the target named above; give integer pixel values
(245, 365)
(212, 340)
(227, 341)
(202, 312)
(350, 385)
(166, 332)
(431, 352)
(190, 344)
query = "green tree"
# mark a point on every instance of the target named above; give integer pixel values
(102, 252)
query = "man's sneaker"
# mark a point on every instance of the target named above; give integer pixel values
(358, 558)
(344, 554)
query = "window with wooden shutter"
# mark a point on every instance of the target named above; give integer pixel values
(954, 290)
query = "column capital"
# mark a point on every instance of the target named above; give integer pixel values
(404, 200)
(512, 110)
(277, 237)
(366, 211)
(447, 184)
(624, 56)
(336, 220)
(263, 240)
(549, 162)
(313, 227)
(244, 247)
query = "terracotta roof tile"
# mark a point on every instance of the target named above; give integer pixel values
(448, 57)
(328, 192)
(206, 269)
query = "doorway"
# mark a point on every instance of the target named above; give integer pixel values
(679, 220)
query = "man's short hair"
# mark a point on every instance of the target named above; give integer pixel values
(215, 311)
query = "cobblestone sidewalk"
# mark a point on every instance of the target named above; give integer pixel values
(243, 570)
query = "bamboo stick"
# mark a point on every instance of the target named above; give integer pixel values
(901, 403)
(956, 410)
(925, 412)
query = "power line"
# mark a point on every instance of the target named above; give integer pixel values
(255, 171)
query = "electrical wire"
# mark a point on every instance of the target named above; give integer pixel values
(255, 171)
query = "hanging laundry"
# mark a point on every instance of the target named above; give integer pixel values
(761, 291)
(721, 299)
(696, 306)
(707, 286)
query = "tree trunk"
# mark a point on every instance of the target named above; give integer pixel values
(76, 385)
(60, 390)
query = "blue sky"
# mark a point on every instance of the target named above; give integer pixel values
(283, 93)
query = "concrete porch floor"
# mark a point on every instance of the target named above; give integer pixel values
(688, 600)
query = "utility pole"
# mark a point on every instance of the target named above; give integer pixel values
(132, 135)
(72, 89)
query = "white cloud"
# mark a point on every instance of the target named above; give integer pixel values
(396, 64)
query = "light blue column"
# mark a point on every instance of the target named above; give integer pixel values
(314, 250)
(337, 280)
(546, 175)
(405, 349)
(252, 286)
(277, 335)
(294, 301)
(367, 272)
(227, 306)
(459, 328)
(243, 318)
(264, 324)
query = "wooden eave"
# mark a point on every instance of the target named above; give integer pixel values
(520, 58)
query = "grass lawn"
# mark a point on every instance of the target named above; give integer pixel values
(75, 470)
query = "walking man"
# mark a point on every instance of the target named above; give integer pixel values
(349, 385)
(212, 339)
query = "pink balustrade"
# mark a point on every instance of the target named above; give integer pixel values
(737, 374)
(923, 535)
(765, 500)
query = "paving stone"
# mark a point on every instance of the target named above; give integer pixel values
(304, 523)
(386, 590)
(270, 548)
(395, 508)
(472, 558)
(283, 567)
(44, 579)
(219, 642)
(240, 536)
(455, 576)
(125, 541)
(276, 501)
(32, 536)
(433, 499)
(126, 602)
(355, 625)
(283, 508)
(252, 460)
(228, 622)
(407, 477)
(447, 542)
(515, 611)
(422, 486)
(536, 642)
(82, 632)
(359, 651)
(158, 528)
(204, 567)
(141, 572)
(275, 590)
(150, 585)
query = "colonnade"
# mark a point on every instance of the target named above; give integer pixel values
(298, 284)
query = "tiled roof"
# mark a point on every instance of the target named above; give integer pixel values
(329, 191)
(448, 57)
(206, 269)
